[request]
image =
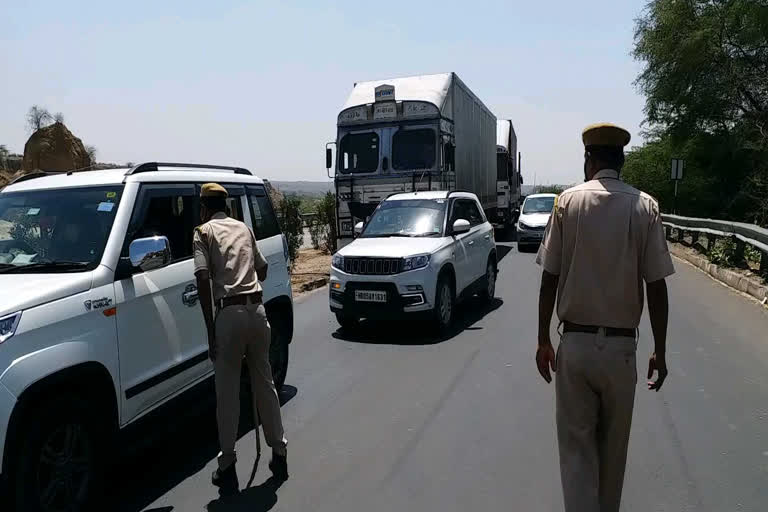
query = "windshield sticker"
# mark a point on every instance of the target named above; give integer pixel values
(111, 195)
(440, 201)
(33, 211)
(105, 207)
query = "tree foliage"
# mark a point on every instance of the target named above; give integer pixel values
(38, 117)
(323, 230)
(705, 79)
(289, 217)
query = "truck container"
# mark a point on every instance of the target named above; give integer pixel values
(508, 179)
(428, 132)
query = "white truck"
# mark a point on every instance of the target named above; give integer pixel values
(508, 178)
(406, 135)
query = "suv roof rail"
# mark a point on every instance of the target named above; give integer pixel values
(154, 166)
(457, 191)
(30, 176)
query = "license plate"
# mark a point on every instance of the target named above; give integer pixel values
(366, 296)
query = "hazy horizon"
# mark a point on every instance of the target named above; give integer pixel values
(260, 85)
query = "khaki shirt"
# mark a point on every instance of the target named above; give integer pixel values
(227, 249)
(604, 239)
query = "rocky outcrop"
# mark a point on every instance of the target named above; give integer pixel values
(54, 148)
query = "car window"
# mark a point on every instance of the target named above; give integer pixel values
(263, 215)
(234, 206)
(466, 209)
(539, 204)
(171, 211)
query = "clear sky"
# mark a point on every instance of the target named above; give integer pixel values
(259, 84)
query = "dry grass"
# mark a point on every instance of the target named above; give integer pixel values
(311, 270)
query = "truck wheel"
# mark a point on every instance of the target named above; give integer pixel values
(489, 290)
(60, 463)
(347, 322)
(278, 354)
(444, 304)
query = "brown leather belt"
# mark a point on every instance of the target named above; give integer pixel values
(612, 332)
(240, 300)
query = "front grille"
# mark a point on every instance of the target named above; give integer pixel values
(373, 266)
(534, 228)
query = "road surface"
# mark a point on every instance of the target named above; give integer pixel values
(393, 420)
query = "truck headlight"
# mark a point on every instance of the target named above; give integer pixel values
(415, 262)
(8, 326)
(337, 261)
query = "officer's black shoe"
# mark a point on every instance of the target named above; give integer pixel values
(226, 480)
(279, 466)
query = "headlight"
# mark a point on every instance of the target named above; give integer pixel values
(337, 261)
(8, 326)
(523, 225)
(415, 262)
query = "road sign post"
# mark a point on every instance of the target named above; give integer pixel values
(677, 175)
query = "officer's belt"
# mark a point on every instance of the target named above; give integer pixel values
(611, 332)
(240, 300)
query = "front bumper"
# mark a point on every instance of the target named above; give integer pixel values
(407, 292)
(529, 236)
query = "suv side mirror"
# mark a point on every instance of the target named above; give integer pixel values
(460, 226)
(328, 158)
(358, 228)
(150, 253)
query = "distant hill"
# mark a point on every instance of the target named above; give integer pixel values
(305, 188)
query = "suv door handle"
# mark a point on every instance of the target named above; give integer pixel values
(487, 237)
(471, 242)
(189, 297)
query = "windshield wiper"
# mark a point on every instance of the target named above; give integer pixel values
(61, 266)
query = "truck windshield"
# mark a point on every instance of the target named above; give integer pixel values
(411, 218)
(414, 149)
(61, 230)
(539, 204)
(359, 153)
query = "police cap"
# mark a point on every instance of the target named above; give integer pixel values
(606, 135)
(213, 190)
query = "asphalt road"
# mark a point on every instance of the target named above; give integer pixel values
(392, 419)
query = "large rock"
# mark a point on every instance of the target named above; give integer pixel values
(55, 148)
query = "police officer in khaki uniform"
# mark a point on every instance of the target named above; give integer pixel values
(229, 266)
(603, 240)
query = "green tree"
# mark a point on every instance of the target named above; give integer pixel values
(289, 217)
(705, 79)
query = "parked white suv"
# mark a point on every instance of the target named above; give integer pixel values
(419, 252)
(99, 322)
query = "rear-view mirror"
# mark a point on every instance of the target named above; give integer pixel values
(328, 158)
(150, 253)
(460, 226)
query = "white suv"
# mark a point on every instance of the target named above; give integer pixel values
(99, 322)
(419, 252)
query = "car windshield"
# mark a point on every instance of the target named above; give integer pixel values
(414, 149)
(539, 204)
(413, 217)
(61, 230)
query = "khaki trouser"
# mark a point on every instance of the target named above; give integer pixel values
(245, 331)
(595, 385)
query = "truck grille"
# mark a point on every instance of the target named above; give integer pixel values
(372, 266)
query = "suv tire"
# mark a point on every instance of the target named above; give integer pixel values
(489, 282)
(445, 302)
(347, 322)
(60, 462)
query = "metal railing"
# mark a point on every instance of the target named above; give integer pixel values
(740, 232)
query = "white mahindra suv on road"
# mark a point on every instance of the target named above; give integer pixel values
(533, 219)
(99, 322)
(419, 252)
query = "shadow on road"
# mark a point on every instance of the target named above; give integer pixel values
(508, 234)
(503, 250)
(416, 331)
(253, 499)
(175, 444)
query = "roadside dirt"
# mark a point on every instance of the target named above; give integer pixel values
(311, 271)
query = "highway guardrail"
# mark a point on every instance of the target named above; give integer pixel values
(742, 233)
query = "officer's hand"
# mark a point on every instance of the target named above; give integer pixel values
(658, 364)
(545, 359)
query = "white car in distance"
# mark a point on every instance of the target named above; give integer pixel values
(534, 216)
(419, 253)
